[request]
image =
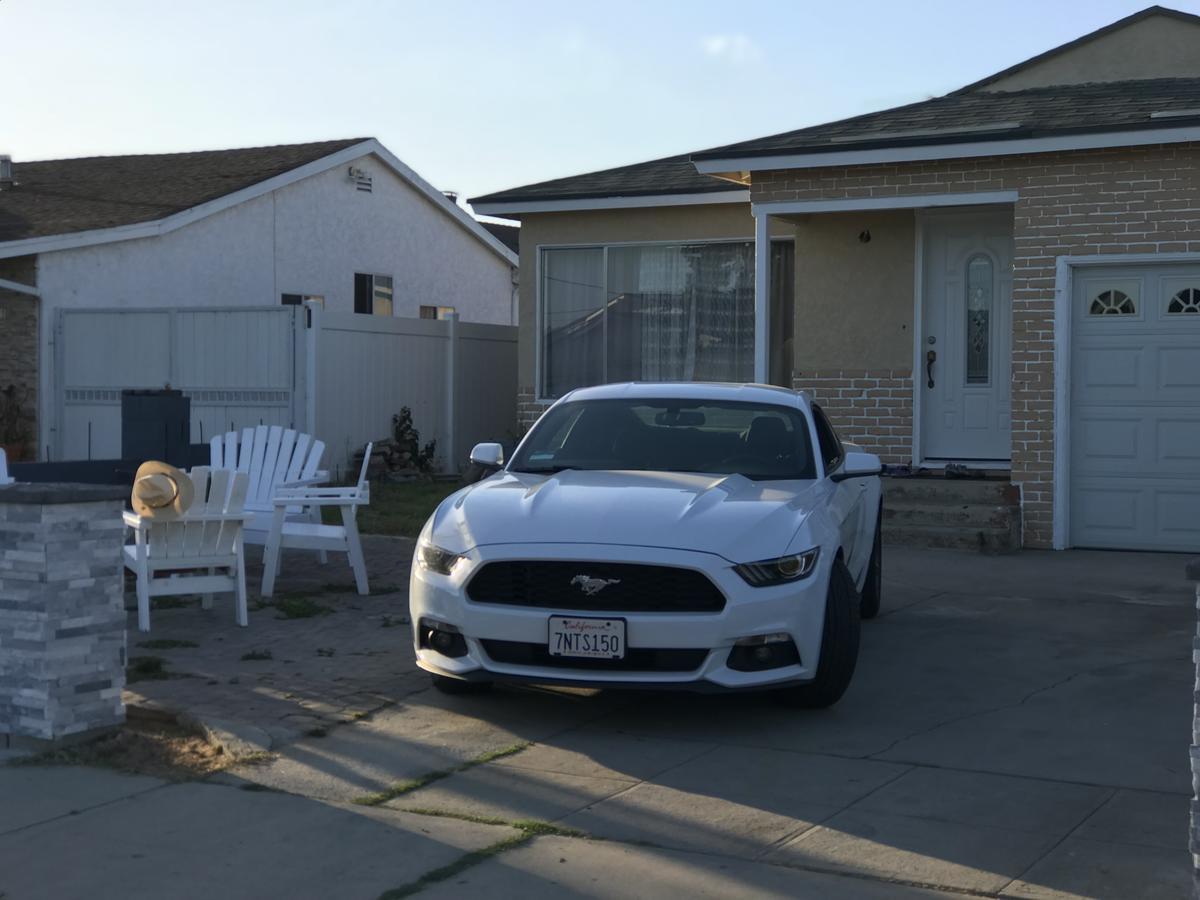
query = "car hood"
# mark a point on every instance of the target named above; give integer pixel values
(728, 515)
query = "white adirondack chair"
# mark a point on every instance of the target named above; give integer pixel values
(272, 457)
(314, 535)
(5, 478)
(192, 548)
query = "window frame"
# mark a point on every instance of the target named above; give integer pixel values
(374, 276)
(539, 304)
(819, 418)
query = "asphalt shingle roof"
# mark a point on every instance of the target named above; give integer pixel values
(1035, 112)
(955, 118)
(508, 235)
(671, 175)
(62, 196)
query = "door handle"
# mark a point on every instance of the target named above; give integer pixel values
(930, 359)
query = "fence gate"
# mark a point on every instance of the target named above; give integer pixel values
(239, 365)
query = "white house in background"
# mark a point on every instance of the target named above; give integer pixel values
(344, 222)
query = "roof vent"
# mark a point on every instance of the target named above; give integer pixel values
(6, 175)
(361, 179)
(452, 196)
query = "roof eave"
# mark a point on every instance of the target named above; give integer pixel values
(154, 227)
(484, 207)
(912, 151)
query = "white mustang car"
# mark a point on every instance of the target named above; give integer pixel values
(660, 536)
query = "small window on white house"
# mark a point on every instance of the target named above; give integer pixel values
(300, 299)
(436, 312)
(373, 294)
(1112, 303)
(1186, 301)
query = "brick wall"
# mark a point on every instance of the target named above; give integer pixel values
(1132, 200)
(870, 408)
(19, 336)
(529, 408)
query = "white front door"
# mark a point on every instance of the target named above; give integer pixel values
(965, 365)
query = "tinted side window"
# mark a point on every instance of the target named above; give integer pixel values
(831, 447)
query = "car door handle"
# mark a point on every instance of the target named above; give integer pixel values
(930, 359)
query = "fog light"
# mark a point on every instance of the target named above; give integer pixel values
(441, 637)
(763, 651)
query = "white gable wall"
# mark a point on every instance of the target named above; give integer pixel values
(309, 237)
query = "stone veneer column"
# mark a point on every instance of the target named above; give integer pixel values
(62, 615)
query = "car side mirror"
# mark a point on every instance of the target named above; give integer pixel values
(490, 456)
(858, 465)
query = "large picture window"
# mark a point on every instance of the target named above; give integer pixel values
(651, 312)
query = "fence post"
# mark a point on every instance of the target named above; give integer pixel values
(313, 312)
(451, 391)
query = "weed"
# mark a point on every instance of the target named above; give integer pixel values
(318, 731)
(393, 621)
(464, 862)
(256, 655)
(300, 606)
(326, 651)
(401, 788)
(145, 668)
(167, 644)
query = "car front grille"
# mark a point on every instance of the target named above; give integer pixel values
(637, 659)
(595, 587)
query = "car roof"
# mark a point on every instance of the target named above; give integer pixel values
(693, 390)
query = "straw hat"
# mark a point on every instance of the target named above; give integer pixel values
(161, 491)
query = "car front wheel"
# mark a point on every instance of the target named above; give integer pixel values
(839, 645)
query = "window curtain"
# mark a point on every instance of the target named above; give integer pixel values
(572, 319)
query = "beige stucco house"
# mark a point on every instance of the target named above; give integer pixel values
(1006, 277)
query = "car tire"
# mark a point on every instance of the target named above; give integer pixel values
(872, 592)
(459, 686)
(839, 645)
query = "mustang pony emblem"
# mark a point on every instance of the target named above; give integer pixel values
(590, 585)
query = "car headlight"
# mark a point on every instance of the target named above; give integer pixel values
(768, 572)
(434, 559)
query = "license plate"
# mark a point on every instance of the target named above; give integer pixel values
(587, 638)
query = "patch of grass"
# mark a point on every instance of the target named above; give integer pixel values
(400, 788)
(301, 606)
(157, 748)
(257, 655)
(145, 668)
(464, 862)
(399, 509)
(173, 602)
(167, 644)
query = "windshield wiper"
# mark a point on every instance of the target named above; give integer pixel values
(544, 470)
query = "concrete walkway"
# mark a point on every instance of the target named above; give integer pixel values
(1018, 727)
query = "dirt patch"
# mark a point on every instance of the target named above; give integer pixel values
(159, 749)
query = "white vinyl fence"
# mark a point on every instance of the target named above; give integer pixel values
(459, 379)
(238, 365)
(246, 366)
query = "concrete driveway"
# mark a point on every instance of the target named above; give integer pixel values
(1018, 726)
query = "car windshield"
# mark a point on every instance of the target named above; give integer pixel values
(759, 441)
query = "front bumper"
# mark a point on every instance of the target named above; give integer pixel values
(796, 609)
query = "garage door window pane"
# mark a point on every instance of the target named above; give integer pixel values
(1186, 301)
(1112, 303)
(979, 319)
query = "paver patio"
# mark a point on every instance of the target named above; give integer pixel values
(1018, 726)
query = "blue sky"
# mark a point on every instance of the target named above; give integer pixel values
(479, 96)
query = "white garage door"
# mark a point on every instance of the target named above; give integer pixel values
(1135, 408)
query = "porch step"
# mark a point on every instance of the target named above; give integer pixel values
(966, 514)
